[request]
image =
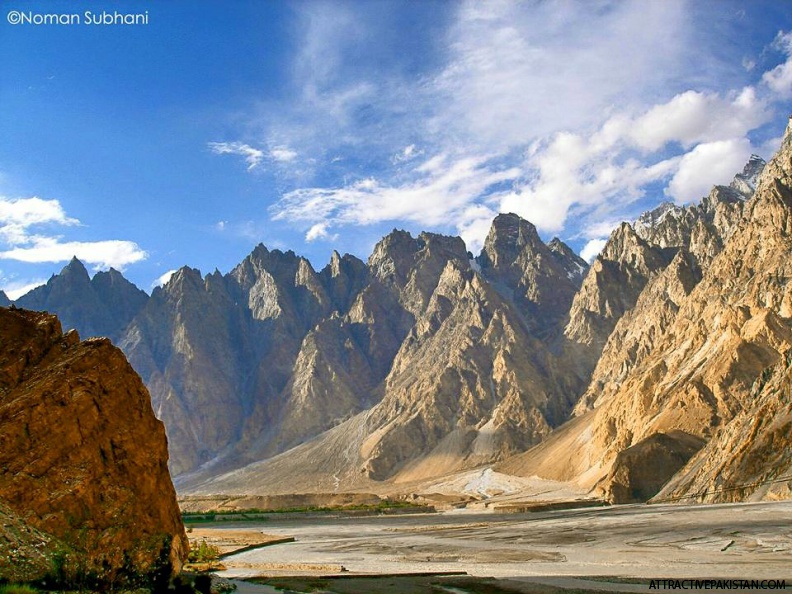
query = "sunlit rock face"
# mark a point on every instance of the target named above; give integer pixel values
(82, 456)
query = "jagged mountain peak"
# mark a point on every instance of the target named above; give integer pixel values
(184, 275)
(745, 182)
(574, 266)
(400, 259)
(390, 253)
(75, 270)
(658, 214)
(623, 240)
(508, 237)
(345, 264)
(334, 265)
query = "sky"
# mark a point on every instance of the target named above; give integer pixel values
(201, 128)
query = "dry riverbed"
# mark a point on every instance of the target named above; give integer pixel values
(612, 548)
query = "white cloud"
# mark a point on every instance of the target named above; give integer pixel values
(14, 290)
(319, 231)
(253, 156)
(408, 153)
(706, 165)
(282, 154)
(534, 108)
(18, 215)
(589, 174)
(473, 226)
(102, 254)
(440, 192)
(779, 79)
(592, 249)
(163, 279)
(693, 117)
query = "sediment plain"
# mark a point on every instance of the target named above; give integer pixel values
(567, 548)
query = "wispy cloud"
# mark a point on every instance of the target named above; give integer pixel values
(102, 254)
(442, 191)
(282, 154)
(24, 221)
(534, 108)
(592, 248)
(520, 71)
(319, 231)
(252, 156)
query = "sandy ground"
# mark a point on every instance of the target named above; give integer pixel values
(232, 539)
(563, 548)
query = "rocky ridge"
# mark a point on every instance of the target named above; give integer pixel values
(686, 358)
(425, 360)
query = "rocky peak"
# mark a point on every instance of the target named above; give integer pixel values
(102, 306)
(185, 278)
(541, 281)
(343, 278)
(745, 182)
(657, 215)
(509, 236)
(4, 300)
(574, 266)
(626, 246)
(75, 271)
(393, 256)
(334, 266)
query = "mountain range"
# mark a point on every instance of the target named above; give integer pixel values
(660, 370)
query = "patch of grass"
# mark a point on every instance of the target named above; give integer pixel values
(17, 589)
(260, 514)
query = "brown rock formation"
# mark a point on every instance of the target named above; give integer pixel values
(82, 456)
(750, 458)
(687, 358)
(641, 470)
(27, 553)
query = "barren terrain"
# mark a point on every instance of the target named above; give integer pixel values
(570, 548)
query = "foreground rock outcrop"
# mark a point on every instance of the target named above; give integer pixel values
(82, 456)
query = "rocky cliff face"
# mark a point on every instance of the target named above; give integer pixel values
(687, 357)
(82, 456)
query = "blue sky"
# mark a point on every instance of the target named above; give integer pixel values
(312, 126)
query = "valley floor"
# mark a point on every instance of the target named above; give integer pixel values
(730, 541)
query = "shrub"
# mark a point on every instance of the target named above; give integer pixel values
(204, 553)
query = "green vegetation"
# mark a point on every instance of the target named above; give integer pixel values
(17, 589)
(382, 507)
(204, 553)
